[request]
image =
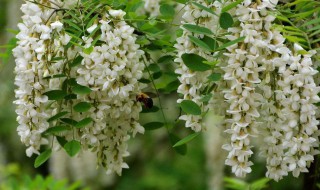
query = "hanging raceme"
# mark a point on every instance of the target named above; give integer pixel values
(77, 73)
(79, 70)
(195, 46)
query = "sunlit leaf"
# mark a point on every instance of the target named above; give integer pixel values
(190, 107)
(42, 158)
(186, 139)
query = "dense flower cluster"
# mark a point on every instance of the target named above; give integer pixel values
(272, 91)
(31, 67)
(111, 71)
(192, 82)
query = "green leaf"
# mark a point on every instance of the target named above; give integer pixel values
(231, 5)
(172, 86)
(83, 122)
(82, 107)
(70, 97)
(225, 20)
(72, 147)
(167, 10)
(55, 94)
(88, 50)
(145, 81)
(153, 125)
(259, 184)
(212, 43)
(42, 158)
(195, 62)
(72, 24)
(199, 43)
(186, 139)
(57, 116)
(154, 68)
(204, 8)
(82, 90)
(150, 110)
(61, 140)
(166, 59)
(197, 29)
(57, 129)
(69, 121)
(214, 77)
(76, 61)
(190, 107)
(180, 149)
(231, 43)
(156, 75)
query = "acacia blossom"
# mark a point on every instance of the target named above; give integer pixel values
(112, 71)
(193, 83)
(32, 66)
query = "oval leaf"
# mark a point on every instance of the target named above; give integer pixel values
(214, 77)
(190, 107)
(231, 5)
(149, 110)
(180, 149)
(83, 122)
(167, 10)
(195, 62)
(82, 107)
(225, 20)
(231, 43)
(42, 158)
(55, 94)
(197, 29)
(199, 43)
(212, 43)
(76, 61)
(204, 8)
(72, 147)
(153, 125)
(69, 121)
(82, 90)
(61, 140)
(57, 116)
(186, 139)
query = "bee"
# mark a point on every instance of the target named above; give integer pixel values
(145, 99)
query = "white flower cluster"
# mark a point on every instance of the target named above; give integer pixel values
(194, 82)
(111, 70)
(32, 65)
(293, 138)
(272, 91)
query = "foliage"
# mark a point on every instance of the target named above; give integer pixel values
(298, 21)
(238, 184)
(12, 178)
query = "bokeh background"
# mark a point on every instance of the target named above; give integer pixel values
(154, 164)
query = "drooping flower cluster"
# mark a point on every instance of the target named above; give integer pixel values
(112, 71)
(105, 115)
(261, 70)
(270, 91)
(32, 65)
(193, 82)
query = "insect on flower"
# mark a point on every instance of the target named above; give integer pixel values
(145, 99)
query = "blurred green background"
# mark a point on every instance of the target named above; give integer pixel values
(153, 163)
